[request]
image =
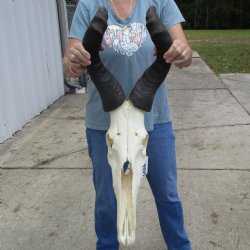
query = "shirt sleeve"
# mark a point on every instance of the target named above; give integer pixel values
(80, 22)
(170, 14)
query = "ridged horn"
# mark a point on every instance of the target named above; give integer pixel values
(144, 90)
(108, 86)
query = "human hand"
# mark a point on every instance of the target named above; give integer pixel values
(179, 54)
(77, 59)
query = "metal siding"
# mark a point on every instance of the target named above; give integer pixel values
(30, 66)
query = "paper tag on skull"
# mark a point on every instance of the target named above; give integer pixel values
(145, 168)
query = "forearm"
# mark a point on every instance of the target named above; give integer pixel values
(176, 32)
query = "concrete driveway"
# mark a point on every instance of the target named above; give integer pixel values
(47, 195)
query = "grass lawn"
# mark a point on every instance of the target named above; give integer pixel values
(225, 51)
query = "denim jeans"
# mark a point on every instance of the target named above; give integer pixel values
(162, 180)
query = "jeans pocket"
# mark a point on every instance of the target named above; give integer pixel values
(164, 130)
(162, 126)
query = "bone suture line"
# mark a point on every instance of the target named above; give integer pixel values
(126, 176)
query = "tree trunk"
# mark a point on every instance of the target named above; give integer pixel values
(195, 17)
(207, 13)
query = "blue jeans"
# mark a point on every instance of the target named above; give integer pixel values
(162, 180)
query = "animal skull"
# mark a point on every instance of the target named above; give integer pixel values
(127, 142)
(127, 137)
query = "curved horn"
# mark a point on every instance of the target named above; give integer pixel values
(143, 93)
(109, 88)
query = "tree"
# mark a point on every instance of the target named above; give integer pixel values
(219, 14)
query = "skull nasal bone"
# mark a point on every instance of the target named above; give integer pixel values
(126, 167)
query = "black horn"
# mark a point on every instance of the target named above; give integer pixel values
(144, 90)
(109, 88)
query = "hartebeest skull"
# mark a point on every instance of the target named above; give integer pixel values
(127, 137)
(127, 141)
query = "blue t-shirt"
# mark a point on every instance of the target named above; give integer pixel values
(127, 53)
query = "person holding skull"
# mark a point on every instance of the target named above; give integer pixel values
(127, 50)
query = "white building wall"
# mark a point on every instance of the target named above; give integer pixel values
(31, 76)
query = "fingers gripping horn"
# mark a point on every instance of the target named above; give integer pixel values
(108, 86)
(143, 93)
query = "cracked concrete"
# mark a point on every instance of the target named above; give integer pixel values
(239, 86)
(46, 190)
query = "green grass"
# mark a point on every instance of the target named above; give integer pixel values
(225, 51)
